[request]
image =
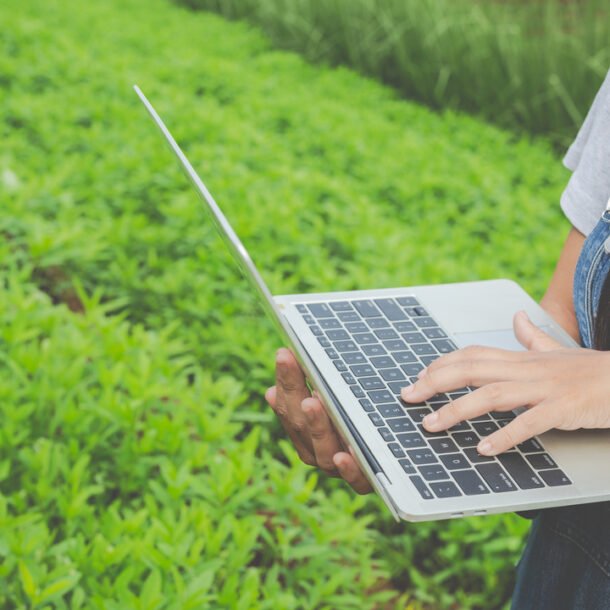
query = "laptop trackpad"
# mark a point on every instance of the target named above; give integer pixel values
(504, 339)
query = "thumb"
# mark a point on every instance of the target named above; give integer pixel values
(532, 337)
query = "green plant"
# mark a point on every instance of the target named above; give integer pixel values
(531, 66)
(139, 466)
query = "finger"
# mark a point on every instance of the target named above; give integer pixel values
(530, 423)
(304, 453)
(464, 373)
(532, 337)
(291, 390)
(324, 439)
(493, 397)
(350, 471)
(473, 352)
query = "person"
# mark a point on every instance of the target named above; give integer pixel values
(566, 560)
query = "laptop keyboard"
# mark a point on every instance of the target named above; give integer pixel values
(379, 346)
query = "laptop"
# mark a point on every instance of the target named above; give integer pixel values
(359, 348)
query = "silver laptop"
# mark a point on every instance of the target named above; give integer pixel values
(359, 348)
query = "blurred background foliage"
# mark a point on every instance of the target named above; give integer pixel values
(526, 65)
(139, 465)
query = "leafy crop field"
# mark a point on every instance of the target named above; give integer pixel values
(139, 466)
(525, 65)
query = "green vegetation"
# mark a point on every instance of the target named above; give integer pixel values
(524, 65)
(139, 466)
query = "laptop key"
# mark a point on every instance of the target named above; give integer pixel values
(320, 310)
(470, 482)
(407, 301)
(445, 490)
(444, 346)
(411, 440)
(376, 349)
(376, 419)
(520, 471)
(426, 434)
(348, 378)
(371, 383)
(466, 439)
(397, 386)
(454, 461)
(391, 310)
(413, 337)
(309, 319)
(395, 345)
(316, 330)
(425, 322)
(532, 445)
(402, 424)
(380, 396)
(502, 414)
(329, 323)
(332, 354)
(418, 414)
(461, 427)
(541, 461)
(390, 411)
(396, 450)
(421, 487)
(392, 374)
(324, 342)
(434, 333)
(428, 360)
(405, 327)
(485, 428)
(412, 368)
(407, 466)
(357, 391)
(375, 323)
(337, 335)
(554, 478)
(365, 338)
(382, 362)
(422, 456)
(367, 405)
(495, 477)
(386, 434)
(348, 316)
(340, 366)
(362, 370)
(406, 358)
(433, 472)
(366, 309)
(386, 333)
(356, 327)
(354, 358)
(301, 308)
(443, 445)
(423, 349)
(341, 306)
(345, 346)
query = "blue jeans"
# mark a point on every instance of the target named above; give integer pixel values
(566, 561)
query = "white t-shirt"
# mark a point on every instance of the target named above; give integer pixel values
(586, 195)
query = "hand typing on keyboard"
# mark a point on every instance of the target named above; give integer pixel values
(306, 422)
(562, 388)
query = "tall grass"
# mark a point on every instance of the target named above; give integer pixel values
(524, 65)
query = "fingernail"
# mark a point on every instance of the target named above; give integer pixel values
(431, 421)
(485, 448)
(407, 389)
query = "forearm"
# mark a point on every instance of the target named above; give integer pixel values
(558, 300)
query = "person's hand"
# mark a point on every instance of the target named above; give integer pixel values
(306, 422)
(562, 388)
